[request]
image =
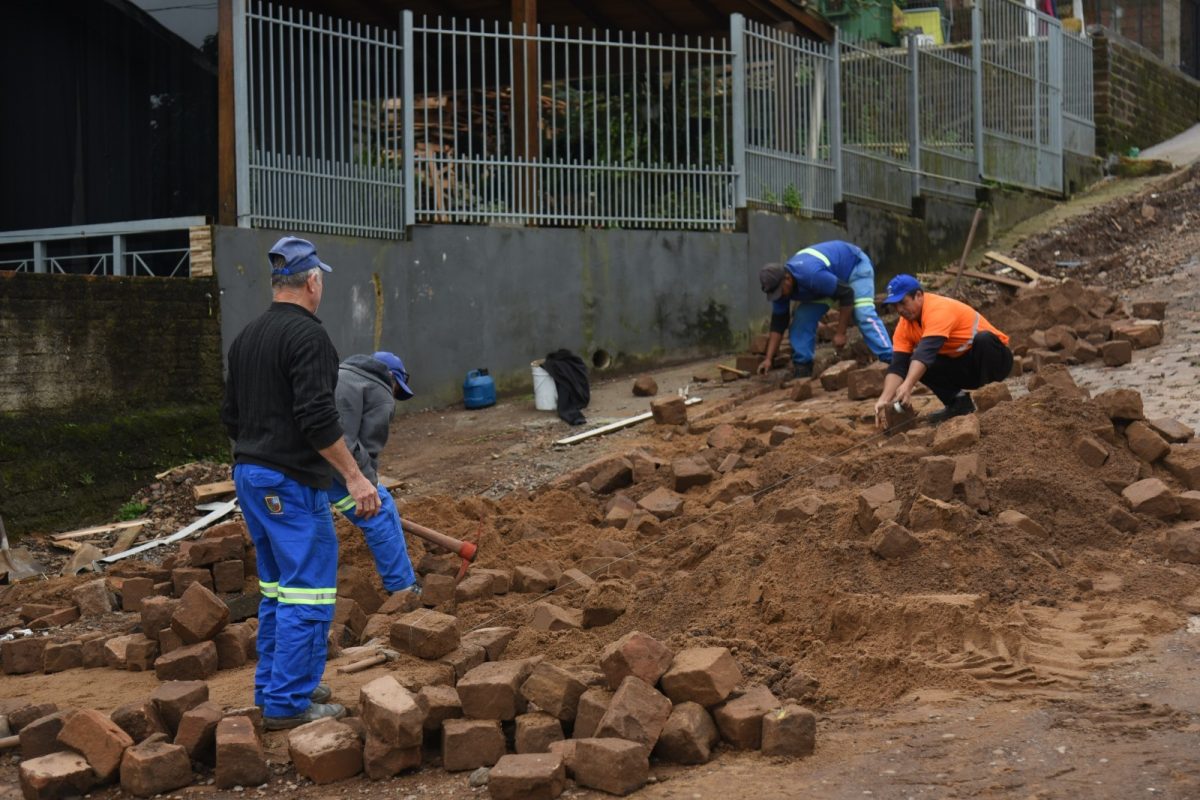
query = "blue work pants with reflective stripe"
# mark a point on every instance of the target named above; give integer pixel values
(806, 316)
(384, 536)
(293, 535)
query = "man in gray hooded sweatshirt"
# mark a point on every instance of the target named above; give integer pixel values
(367, 390)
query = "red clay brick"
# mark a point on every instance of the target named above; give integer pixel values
(471, 743)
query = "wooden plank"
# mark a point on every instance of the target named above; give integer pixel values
(741, 373)
(389, 483)
(160, 475)
(962, 262)
(99, 529)
(618, 425)
(210, 491)
(1012, 263)
(987, 276)
(200, 252)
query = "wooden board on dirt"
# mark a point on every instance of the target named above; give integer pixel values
(1013, 264)
(211, 491)
(97, 530)
(1000, 279)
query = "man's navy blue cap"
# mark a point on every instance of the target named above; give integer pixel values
(900, 286)
(299, 255)
(396, 367)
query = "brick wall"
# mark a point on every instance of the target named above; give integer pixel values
(70, 340)
(103, 382)
(1139, 100)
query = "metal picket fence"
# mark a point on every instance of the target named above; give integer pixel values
(792, 121)
(365, 130)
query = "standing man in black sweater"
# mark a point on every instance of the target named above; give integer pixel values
(279, 410)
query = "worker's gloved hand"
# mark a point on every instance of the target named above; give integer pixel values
(764, 366)
(366, 496)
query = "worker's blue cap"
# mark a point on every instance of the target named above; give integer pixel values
(298, 255)
(900, 286)
(396, 367)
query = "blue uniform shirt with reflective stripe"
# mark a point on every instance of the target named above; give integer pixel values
(818, 270)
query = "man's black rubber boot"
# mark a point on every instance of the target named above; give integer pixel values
(962, 405)
(311, 714)
(802, 371)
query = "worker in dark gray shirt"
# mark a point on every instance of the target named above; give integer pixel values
(367, 390)
(279, 410)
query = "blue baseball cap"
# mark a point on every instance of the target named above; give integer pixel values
(396, 367)
(900, 286)
(299, 255)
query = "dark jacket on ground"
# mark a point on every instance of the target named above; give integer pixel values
(571, 381)
(279, 407)
(366, 406)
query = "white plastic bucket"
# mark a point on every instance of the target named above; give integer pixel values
(545, 393)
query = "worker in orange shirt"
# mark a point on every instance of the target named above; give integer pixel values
(944, 344)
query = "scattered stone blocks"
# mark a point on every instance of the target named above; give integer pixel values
(669, 410)
(635, 654)
(877, 504)
(1189, 506)
(210, 551)
(990, 396)
(662, 503)
(56, 775)
(536, 731)
(471, 743)
(391, 713)
(98, 738)
(492, 640)
(554, 690)
(197, 731)
(381, 760)
(1116, 353)
(836, 377)
(540, 776)
(326, 751)
(175, 698)
(689, 735)
(645, 386)
(439, 703)
(937, 477)
(549, 617)
(637, 713)
(60, 656)
(193, 662)
(956, 433)
(93, 598)
(234, 644)
(1151, 496)
(25, 715)
(689, 472)
(1172, 430)
(789, 731)
(22, 656)
(593, 704)
(892, 541)
(464, 659)
(1145, 443)
(1091, 451)
(139, 720)
(184, 577)
(1121, 405)
(531, 581)
(1181, 544)
(1122, 520)
(134, 591)
(473, 587)
(200, 614)
(425, 634)
(40, 737)
(929, 514)
(862, 384)
(704, 675)
(140, 653)
(1015, 519)
(615, 474)
(1184, 463)
(605, 602)
(611, 765)
(740, 720)
(492, 690)
(156, 614)
(154, 768)
(239, 754)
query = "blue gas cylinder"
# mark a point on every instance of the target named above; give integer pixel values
(479, 390)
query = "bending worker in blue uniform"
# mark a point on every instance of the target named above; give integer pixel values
(816, 278)
(279, 410)
(367, 390)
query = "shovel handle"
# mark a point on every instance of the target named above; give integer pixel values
(9, 741)
(465, 549)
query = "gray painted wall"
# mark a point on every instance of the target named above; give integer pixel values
(454, 298)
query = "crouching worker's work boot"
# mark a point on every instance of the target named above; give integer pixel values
(311, 714)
